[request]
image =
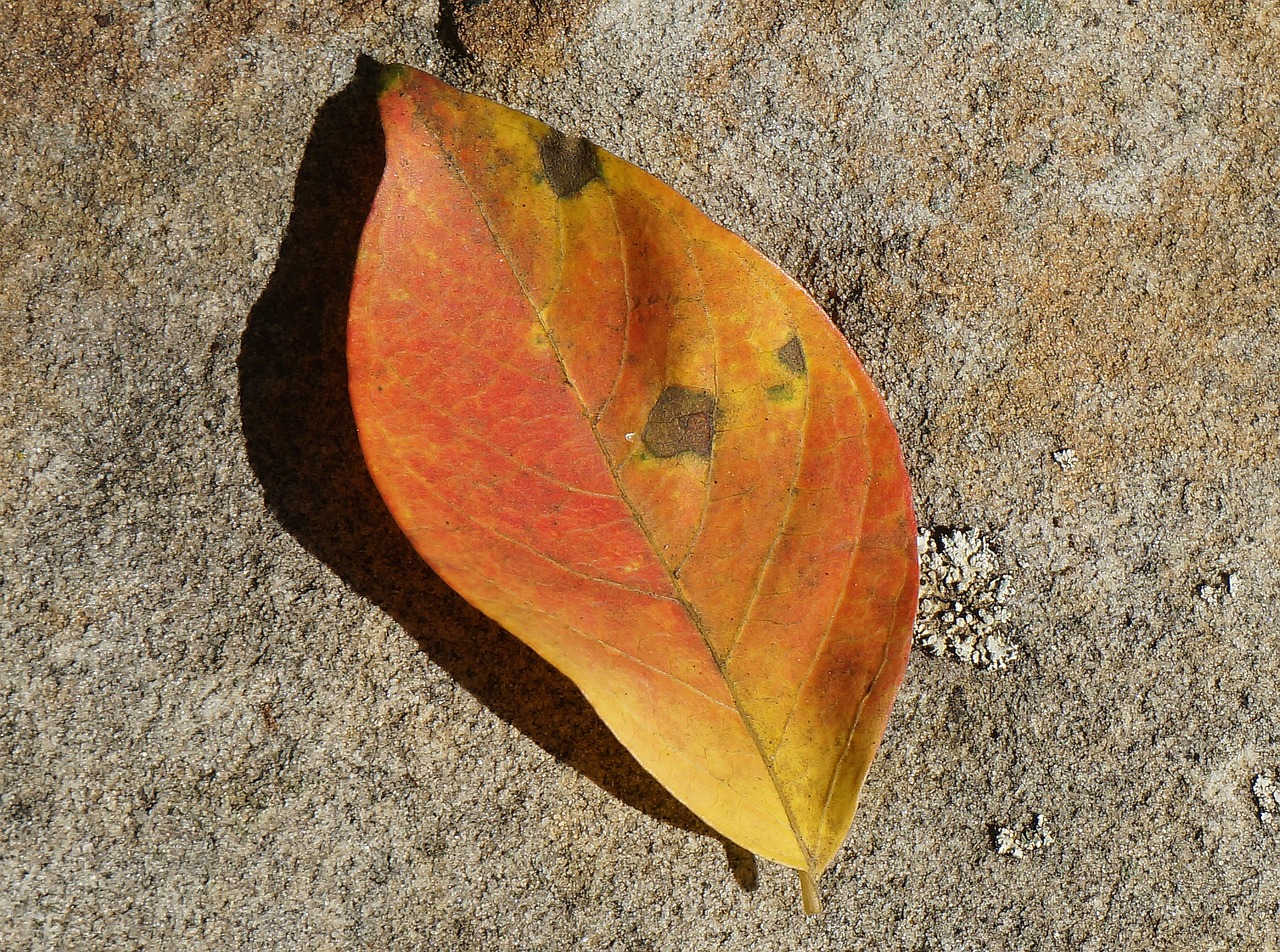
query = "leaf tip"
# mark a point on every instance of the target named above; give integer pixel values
(392, 77)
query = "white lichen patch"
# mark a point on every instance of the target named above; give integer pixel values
(1066, 458)
(963, 599)
(1266, 790)
(1218, 590)
(1018, 841)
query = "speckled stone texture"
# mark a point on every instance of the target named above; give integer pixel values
(235, 710)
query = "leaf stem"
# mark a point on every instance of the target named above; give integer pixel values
(809, 892)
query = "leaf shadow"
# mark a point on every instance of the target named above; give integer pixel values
(301, 442)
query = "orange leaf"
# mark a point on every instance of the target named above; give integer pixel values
(624, 435)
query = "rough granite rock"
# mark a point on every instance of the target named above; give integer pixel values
(235, 710)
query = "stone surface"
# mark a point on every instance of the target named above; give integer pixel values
(236, 712)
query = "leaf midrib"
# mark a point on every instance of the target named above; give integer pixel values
(685, 603)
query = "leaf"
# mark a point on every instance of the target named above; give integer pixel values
(628, 438)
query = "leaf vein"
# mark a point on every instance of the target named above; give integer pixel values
(614, 648)
(475, 435)
(683, 599)
(853, 730)
(792, 492)
(826, 634)
(563, 566)
(724, 674)
(626, 324)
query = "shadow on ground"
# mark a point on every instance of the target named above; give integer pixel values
(302, 444)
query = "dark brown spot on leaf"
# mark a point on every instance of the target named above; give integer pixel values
(792, 355)
(682, 421)
(569, 161)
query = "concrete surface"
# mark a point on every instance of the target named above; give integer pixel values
(235, 712)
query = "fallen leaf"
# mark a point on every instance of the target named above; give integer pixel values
(627, 437)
